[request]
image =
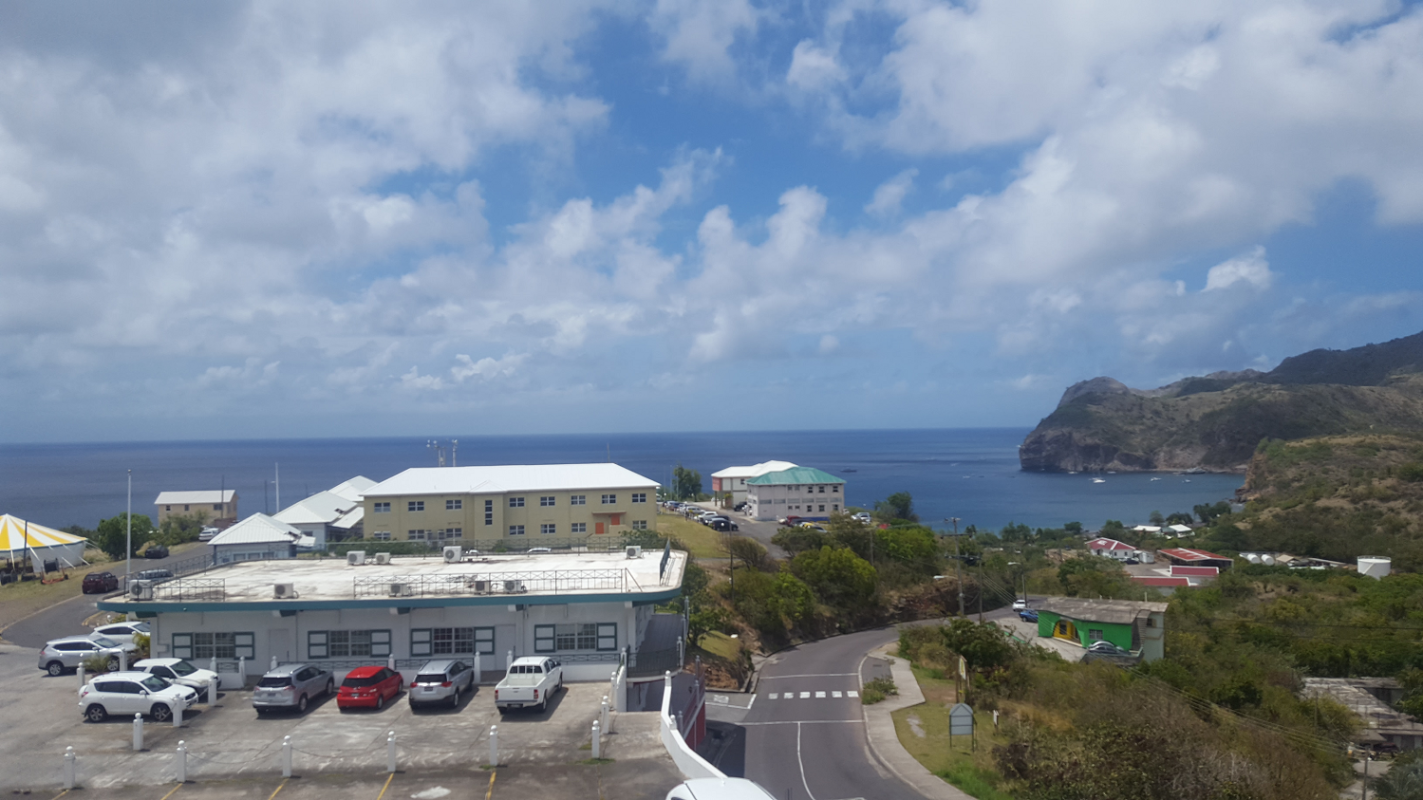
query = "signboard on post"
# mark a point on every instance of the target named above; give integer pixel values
(961, 721)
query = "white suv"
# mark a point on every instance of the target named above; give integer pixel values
(128, 693)
(179, 671)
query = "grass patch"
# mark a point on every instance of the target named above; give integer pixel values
(877, 690)
(721, 646)
(700, 541)
(970, 770)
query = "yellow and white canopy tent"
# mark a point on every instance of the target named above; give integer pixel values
(20, 540)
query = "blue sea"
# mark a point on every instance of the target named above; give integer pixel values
(971, 474)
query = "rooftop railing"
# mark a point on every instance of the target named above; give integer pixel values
(495, 582)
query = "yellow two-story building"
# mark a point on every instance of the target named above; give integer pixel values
(523, 503)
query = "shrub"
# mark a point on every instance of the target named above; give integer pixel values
(876, 690)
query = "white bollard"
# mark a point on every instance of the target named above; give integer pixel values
(137, 732)
(177, 713)
(478, 671)
(180, 762)
(390, 752)
(212, 665)
(80, 673)
(123, 661)
(390, 662)
(286, 757)
(68, 768)
(274, 662)
(508, 661)
(493, 745)
(212, 691)
(605, 712)
(241, 671)
(613, 687)
(597, 743)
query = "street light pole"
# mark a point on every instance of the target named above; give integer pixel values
(128, 551)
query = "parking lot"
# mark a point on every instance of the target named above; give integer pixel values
(234, 753)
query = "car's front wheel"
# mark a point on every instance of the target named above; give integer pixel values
(113, 663)
(54, 668)
(330, 688)
(96, 713)
(161, 713)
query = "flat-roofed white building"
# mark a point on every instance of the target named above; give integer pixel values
(215, 505)
(733, 479)
(586, 608)
(481, 506)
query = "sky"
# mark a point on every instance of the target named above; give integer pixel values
(229, 220)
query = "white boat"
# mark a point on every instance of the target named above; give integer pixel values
(1098, 480)
(1156, 479)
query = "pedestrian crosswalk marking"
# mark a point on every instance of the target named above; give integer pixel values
(804, 695)
(852, 693)
(836, 694)
(773, 695)
(820, 694)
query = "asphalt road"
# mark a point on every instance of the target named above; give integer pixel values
(809, 748)
(67, 618)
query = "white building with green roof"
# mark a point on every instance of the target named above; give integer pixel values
(804, 492)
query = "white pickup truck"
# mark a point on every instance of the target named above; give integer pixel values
(529, 682)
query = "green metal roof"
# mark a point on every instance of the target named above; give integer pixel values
(794, 475)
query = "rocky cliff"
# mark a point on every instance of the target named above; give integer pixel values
(1215, 422)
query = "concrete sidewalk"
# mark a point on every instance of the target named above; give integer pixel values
(884, 742)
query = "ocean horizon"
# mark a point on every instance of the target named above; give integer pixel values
(969, 473)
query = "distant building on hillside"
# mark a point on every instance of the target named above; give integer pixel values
(214, 505)
(1186, 557)
(1128, 624)
(257, 538)
(1121, 551)
(333, 515)
(733, 479)
(804, 492)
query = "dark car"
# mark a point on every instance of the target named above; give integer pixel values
(724, 524)
(156, 551)
(1028, 615)
(100, 582)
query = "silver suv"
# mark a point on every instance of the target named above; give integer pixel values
(68, 653)
(292, 686)
(441, 681)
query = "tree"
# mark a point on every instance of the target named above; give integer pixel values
(1074, 528)
(899, 505)
(113, 532)
(1156, 518)
(749, 552)
(1404, 780)
(686, 483)
(841, 578)
(179, 528)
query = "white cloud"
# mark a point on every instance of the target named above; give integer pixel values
(813, 68)
(1252, 269)
(699, 34)
(890, 194)
(486, 368)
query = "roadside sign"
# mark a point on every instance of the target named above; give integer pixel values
(961, 720)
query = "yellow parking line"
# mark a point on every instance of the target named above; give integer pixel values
(273, 794)
(61, 794)
(386, 786)
(489, 794)
(166, 796)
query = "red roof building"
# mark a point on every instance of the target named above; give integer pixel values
(1178, 571)
(1181, 556)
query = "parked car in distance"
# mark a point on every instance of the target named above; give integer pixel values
(126, 693)
(69, 652)
(155, 575)
(1028, 615)
(156, 551)
(530, 681)
(292, 686)
(1107, 649)
(1020, 603)
(122, 632)
(208, 534)
(441, 681)
(179, 671)
(368, 687)
(724, 524)
(863, 516)
(100, 583)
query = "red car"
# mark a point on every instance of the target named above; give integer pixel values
(368, 687)
(100, 582)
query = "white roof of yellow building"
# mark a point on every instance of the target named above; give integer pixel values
(178, 498)
(510, 478)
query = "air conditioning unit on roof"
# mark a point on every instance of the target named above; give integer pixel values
(141, 590)
(284, 591)
(453, 553)
(634, 551)
(382, 558)
(356, 558)
(401, 590)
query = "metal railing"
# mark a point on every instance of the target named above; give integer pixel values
(183, 589)
(654, 662)
(477, 583)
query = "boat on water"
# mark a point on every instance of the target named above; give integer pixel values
(1098, 480)
(1156, 479)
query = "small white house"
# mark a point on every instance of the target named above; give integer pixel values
(1121, 551)
(257, 538)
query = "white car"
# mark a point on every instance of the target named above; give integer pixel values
(128, 693)
(1019, 603)
(179, 671)
(122, 632)
(863, 517)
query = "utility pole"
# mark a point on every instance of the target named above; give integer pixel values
(958, 563)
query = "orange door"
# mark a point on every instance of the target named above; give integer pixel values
(597, 527)
(617, 519)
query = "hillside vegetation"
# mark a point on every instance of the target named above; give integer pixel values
(1215, 422)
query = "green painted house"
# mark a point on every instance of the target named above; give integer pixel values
(1128, 624)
